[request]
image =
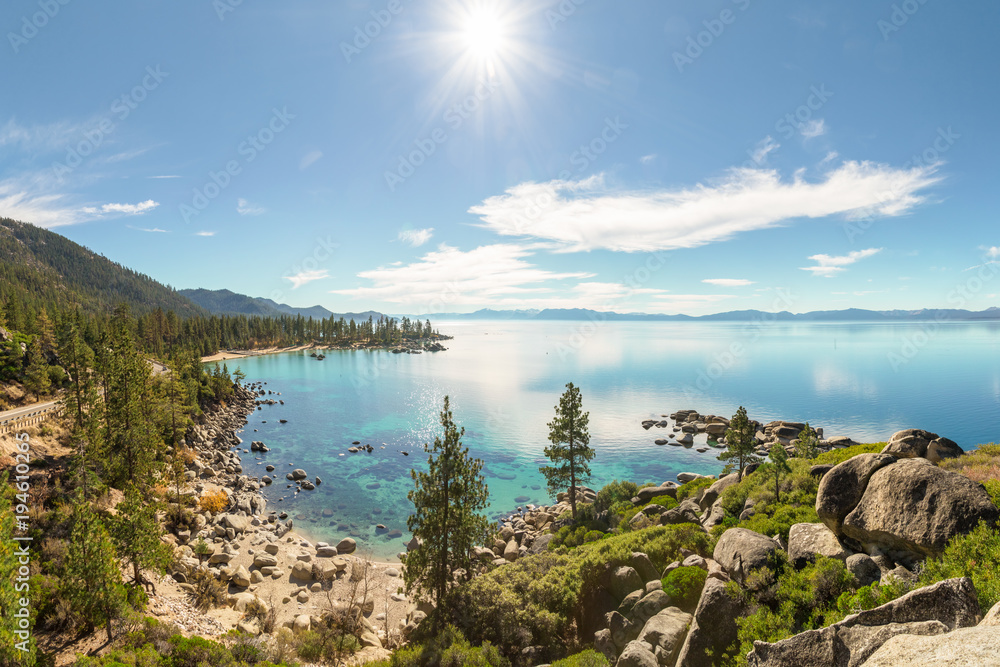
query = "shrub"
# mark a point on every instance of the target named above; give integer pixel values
(690, 490)
(992, 487)
(540, 600)
(196, 651)
(684, 586)
(214, 502)
(613, 493)
(448, 649)
(208, 591)
(798, 499)
(975, 555)
(588, 658)
(835, 456)
(593, 536)
(666, 502)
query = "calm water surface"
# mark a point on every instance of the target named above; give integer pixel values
(504, 379)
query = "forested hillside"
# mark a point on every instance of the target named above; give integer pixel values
(40, 269)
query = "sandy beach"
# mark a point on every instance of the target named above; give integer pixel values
(225, 355)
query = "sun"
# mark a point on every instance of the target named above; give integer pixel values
(483, 34)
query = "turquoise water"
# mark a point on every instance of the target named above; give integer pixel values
(865, 381)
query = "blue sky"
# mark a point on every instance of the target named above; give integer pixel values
(434, 157)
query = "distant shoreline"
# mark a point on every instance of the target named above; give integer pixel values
(226, 355)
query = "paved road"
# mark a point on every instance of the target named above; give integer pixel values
(26, 410)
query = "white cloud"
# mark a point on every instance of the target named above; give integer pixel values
(648, 159)
(204, 233)
(442, 279)
(243, 207)
(993, 252)
(813, 128)
(306, 277)
(130, 209)
(165, 176)
(764, 147)
(728, 282)
(828, 266)
(416, 237)
(154, 230)
(309, 159)
(830, 157)
(587, 215)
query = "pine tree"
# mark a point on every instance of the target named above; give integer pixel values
(807, 444)
(92, 581)
(448, 501)
(136, 535)
(36, 378)
(779, 464)
(570, 450)
(741, 441)
(131, 443)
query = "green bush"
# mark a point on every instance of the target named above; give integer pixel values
(784, 601)
(448, 649)
(975, 555)
(593, 536)
(992, 487)
(613, 493)
(197, 651)
(798, 500)
(588, 658)
(690, 490)
(541, 600)
(666, 502)
(835, 456)
(684, 586)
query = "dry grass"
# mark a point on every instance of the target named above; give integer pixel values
(981, 465)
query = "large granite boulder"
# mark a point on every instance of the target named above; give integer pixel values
(913, 506)
(916, 443)
(637, 654)
(932, 610)
(643, 566)
(623, 580)
(965, 646)
(740, 551)
(713, 628)
(686, 512)
(841, 488)
(649, 606)
(646, 494)
(665, 632)
(807, 540)
(713, 492)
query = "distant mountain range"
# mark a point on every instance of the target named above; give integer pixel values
(225, 302)
(849, 315)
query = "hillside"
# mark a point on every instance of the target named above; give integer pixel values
(39, 268)
(848, 315)
(226, 302)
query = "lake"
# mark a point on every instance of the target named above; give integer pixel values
(861, 380)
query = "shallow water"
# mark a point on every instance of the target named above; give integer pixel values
(863, 380)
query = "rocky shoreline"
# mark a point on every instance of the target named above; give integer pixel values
(254, 553)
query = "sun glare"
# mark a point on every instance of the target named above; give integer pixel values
(483, 35)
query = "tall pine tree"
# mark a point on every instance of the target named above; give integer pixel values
(741, 441)
(448, 501)
(570, 451)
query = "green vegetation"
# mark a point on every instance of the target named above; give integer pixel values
(448, 649)
(785, 601)
(541, 600)
(835, 456)
(690, 490)
(740, 442)
(975, 555)
(772, 516)
(613, 493)
(588, 658)
(807, 444)
(448, 499)
(684, 585)
(570, 450)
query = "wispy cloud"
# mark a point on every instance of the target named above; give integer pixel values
(416, 237)
(992, 252)
(204, 233)
(728, 282)
(154, 230)
(648, 159)
(828, 265)
(306, 277)
(165, 176)
(130, 209)
(764, 147)
(309, 159)
(243, 207)
(588, 215)
(448, 277)
(813, 128)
